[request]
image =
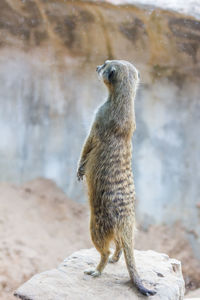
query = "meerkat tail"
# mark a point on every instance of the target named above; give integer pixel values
(130, 262)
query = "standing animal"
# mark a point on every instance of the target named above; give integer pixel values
(106, 161)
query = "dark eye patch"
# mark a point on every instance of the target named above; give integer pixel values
(111, 75)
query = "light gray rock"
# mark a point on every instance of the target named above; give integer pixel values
(68, 281)
(193, 295)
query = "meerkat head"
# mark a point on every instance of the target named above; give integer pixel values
(114, 73)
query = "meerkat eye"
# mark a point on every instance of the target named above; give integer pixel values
(111, 74)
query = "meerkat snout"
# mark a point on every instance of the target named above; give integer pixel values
(97, 68)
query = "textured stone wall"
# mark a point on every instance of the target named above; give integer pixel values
(49, 91)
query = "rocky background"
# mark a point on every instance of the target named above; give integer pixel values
(49, 92)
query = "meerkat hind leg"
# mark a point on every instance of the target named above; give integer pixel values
(103, 262)
(118, 252)
(104, 252)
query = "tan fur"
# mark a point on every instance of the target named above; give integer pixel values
(106, 161)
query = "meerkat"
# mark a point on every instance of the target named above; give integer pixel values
(106, 162)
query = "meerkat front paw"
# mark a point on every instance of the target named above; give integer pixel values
(80, 173)
(92, 272)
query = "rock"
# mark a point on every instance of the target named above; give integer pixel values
(193, 294)
(69, 282)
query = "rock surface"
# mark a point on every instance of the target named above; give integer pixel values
(69, 282)
(193, 295)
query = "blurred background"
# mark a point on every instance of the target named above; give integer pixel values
(49, 92)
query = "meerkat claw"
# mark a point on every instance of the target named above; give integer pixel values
(89, 272)
(93, 273)
(96, 274)
(146, 292)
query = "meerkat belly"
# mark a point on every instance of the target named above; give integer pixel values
(111, 182)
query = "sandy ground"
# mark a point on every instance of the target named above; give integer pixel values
(40, 226)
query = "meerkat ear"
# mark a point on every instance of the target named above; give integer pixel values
(111, 74)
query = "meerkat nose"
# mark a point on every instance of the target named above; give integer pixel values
(98, 68)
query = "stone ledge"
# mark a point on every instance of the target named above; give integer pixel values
(68, 281)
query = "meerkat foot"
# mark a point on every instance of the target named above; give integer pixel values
(113, 259)
(146, 292)
(93, 272)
